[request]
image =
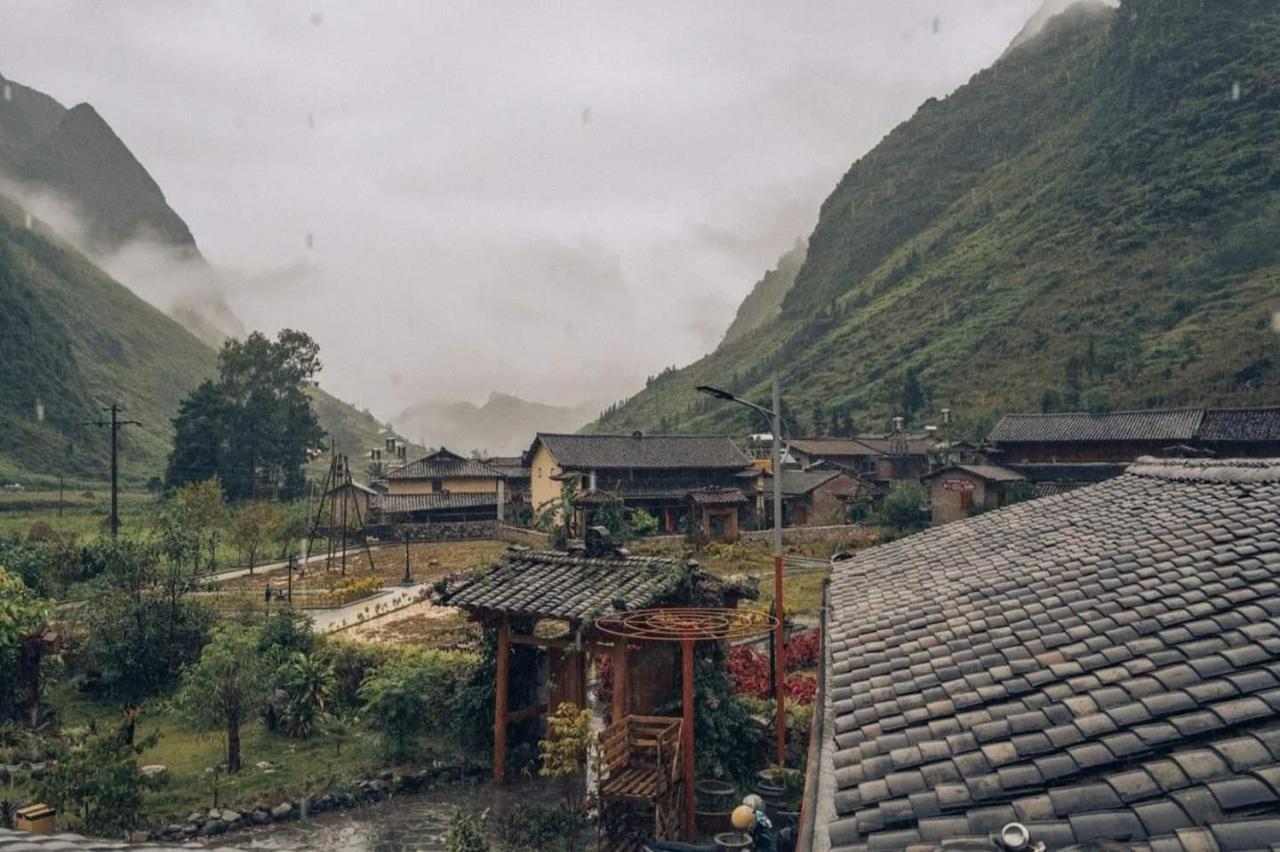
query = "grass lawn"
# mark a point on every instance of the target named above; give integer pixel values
(297, 766)
(427, 561)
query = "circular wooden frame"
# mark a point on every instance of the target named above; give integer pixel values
(677, 624)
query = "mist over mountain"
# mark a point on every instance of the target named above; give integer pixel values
(503, 425)
(764, 302)
(71, 170)
(1091, 222)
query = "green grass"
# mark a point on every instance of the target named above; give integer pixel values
(298, 766)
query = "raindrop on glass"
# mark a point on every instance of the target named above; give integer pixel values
(586, 116)
(8, 92)
(311, 243)
(1235, 90)
(39, 411)
(937, 24)
(28, 220)
(1275, 322)
(317, 18)
(311, 120)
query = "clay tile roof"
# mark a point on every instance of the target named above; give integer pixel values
(443, 464)
(989, 472)
(1102, 665)
(575, 588)
(643, 451)
(1241, 424)
(862, 445)
(1177, 424)
(796, 483)
(717, 496)
(392, 504)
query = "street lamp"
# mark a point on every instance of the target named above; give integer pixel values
(779, 673)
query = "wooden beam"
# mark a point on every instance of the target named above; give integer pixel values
(618, 711)
(526, 713)
(501, 701)
(686, 677)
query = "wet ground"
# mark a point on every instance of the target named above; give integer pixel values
(414, 823)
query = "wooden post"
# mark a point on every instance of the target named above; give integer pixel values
(619, 654)
(500, 704)
(779, 665)
(686, 647)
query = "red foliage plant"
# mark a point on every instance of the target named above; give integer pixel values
(750, 672)
(802, 651)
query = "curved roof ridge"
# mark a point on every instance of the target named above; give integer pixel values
(1207, 470)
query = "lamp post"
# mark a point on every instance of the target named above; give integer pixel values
(779, 671)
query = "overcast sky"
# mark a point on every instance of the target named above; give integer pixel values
(552, 200)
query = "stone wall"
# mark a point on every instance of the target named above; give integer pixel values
(798, 535)
(441, 531)
(520, 535)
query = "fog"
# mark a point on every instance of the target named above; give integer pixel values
(458, 199)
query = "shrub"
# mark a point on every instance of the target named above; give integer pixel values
(351, 662)
(416, 694)
(905, 508)
(98, 780)
(467, 832)
(537, 828)
(308, 685)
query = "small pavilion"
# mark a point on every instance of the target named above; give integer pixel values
(551, 601)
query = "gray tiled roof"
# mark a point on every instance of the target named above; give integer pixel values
(717, 496)
(20, 841)
(799, 482)
(862, 445)
(643, 451)
(443, 464)
(989, 472)
(558, 585)
(1241, 424)
(1104, 664)
(1175, 424)
(392, 504)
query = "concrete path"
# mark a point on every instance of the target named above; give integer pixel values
(268, 567)
(329, 619)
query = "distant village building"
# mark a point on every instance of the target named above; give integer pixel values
(441, 486)
(961, 490)
(656, 473)
(881, 458)
(820, 496)
(1122, 436)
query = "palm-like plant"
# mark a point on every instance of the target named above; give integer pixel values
(308, 682)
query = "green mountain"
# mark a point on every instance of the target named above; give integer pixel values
(1093, 221)
(75, 154)
(764, 302)
(72, 339)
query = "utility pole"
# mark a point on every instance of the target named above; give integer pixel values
(115, 423)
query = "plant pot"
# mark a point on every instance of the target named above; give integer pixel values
(708, 823)
(731, 840)
(714, 794)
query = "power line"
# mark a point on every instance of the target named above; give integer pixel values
(114, 423)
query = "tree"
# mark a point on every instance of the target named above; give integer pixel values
(254, 526)
(21, 613)
(200, 437)
(198, 507)
(904, 507)
(911, 398)
(420, 692)
(255, 426)
(227, 686)
(141, 629)
(97, 778)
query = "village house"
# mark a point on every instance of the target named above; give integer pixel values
(820, 496)
(441, 486)
(1101, 666)
(883, 459)
(1122, 436)
(668, 476)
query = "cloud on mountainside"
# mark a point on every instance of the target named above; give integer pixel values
(553, 202)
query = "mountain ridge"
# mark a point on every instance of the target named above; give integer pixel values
(1091, 221)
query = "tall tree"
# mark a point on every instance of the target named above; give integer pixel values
(254, 428)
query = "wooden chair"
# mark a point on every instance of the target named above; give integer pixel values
(640, 780)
